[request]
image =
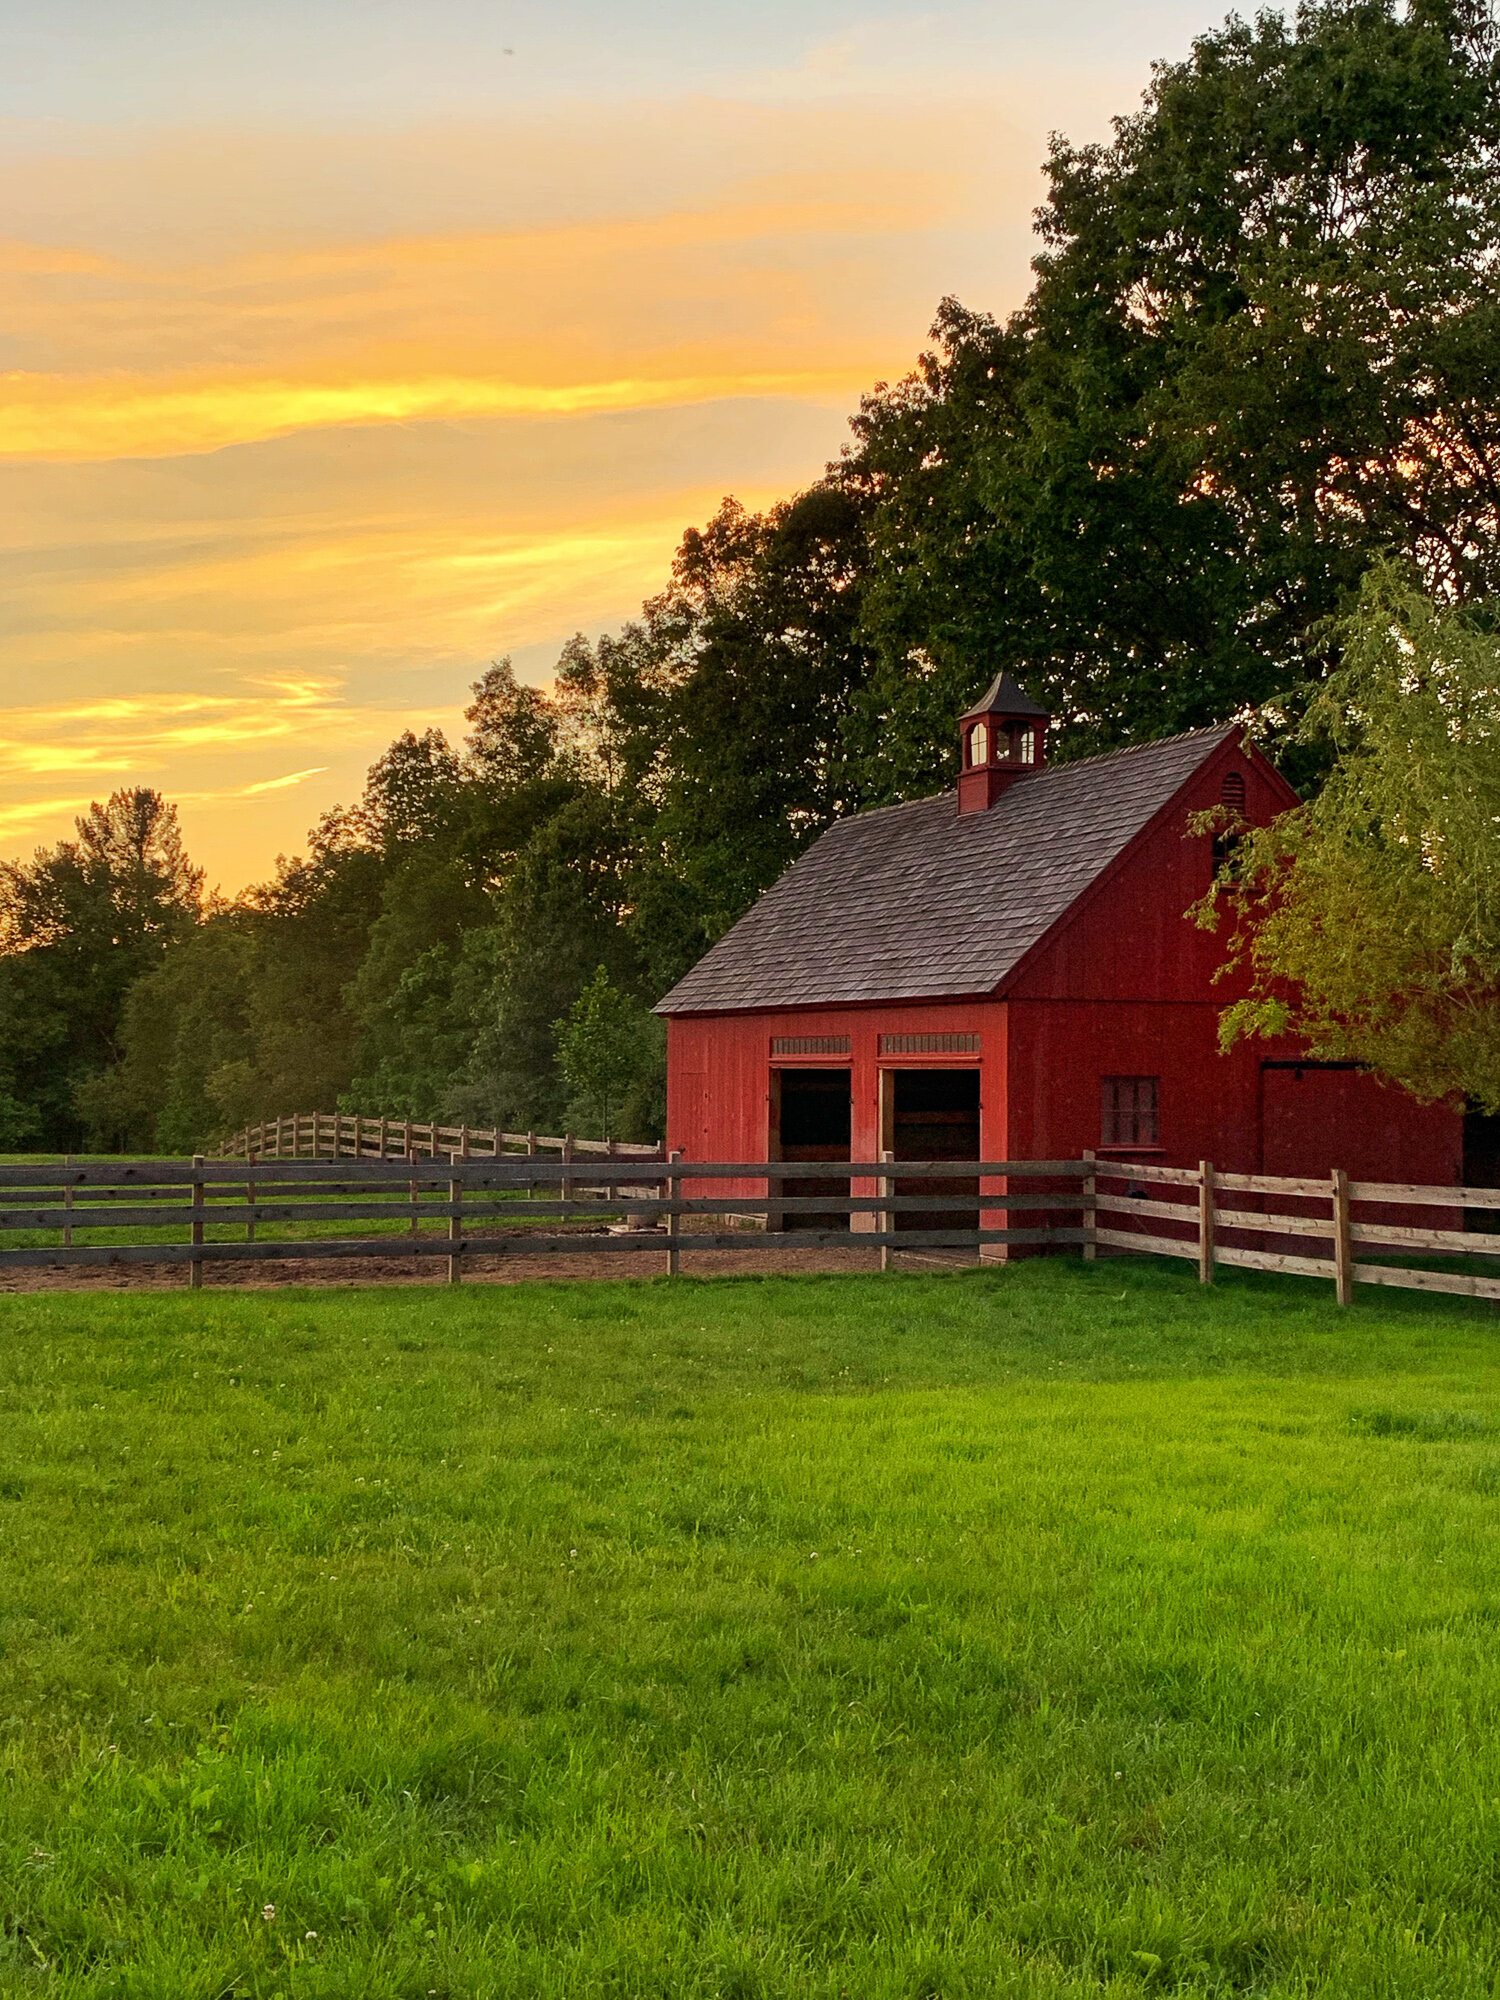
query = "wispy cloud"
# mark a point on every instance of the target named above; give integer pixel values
(147, 733)
(281, 784)
(60, 418)
(299, 428)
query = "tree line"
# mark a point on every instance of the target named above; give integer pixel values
(1258, 366)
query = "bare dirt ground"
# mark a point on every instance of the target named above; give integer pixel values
(478, 1268)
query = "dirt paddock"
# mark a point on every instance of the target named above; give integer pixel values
(479, 1268)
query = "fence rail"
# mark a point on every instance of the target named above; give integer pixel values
(508, 1204)
(327, 1135)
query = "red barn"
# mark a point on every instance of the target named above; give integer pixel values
(1005, 972)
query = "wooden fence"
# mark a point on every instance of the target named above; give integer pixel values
(328, 1135)
(491, 1207)
(1207, 1216)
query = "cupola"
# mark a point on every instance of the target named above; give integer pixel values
(1001, 738)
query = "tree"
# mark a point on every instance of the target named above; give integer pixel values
(1368, 921)
(513, 730)
(18, 1122)
(1261, 348)
(604, 1048)
(717, 720)
(79, 924)
(186, 1072)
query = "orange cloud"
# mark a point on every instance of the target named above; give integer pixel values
(62, 418)
(303, 427)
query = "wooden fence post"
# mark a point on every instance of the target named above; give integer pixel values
(1205, 1222)
(1343, 1241)
(195, 1264)
(406, 1140)
(455, 1232)
(384, 1133)
(674, 1220)
(567, 1179)
(68, 1211)
(415, 1231)
(887, 1216)
(1090, 1212)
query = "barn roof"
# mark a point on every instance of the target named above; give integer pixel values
(917, 901)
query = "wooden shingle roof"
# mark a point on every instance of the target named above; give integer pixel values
(918, 902)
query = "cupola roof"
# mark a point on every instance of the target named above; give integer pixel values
(1005, 697)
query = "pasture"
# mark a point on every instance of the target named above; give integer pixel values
(1058, 1631)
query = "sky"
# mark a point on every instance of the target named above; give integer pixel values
(348, 345)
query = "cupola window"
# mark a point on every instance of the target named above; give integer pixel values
(1002, 739)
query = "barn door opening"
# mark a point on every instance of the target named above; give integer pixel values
(1482, 1166)
(933, 1114)
(810, 1111)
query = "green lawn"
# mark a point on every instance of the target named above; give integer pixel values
(1047, 1632)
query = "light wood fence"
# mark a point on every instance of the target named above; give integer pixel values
(327, 1135)
(1213, 1218)
(508, 1205)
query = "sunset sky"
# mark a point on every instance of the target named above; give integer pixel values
(348, 344)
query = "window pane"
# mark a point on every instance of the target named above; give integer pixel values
(1129, 1111)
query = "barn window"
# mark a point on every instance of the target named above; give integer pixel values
(1129, 1111)
(929, 1045)
(979, 743)
(809, 1045)
(1026, 746)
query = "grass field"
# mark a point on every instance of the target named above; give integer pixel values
(1051, 1632)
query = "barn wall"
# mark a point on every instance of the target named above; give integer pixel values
(1126, 988)
(719, 1071)
(1129, 938)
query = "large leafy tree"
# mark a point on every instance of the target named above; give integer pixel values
(1368, 921)
(721, 714)
(1262, 347)
(80, 923)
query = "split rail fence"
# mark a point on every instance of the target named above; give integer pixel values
(502, 1206)
(326, 1135)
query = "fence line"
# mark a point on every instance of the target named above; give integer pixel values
(327, 1135)
(1202, 1224)
(640, 1205)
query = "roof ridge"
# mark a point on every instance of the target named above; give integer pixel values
(1151, 743)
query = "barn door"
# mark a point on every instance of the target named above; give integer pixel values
(813, 1120)
(934, 1115)
(1481, 1165)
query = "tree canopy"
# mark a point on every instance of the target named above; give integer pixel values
(1262, 348)
(1369, 920)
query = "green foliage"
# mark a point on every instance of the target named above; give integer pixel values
(1368, 921)
(1262, 347)
(19, 1122)
(1051, 1633)
(606, 1048)
(79, 925)
(187, 1042)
